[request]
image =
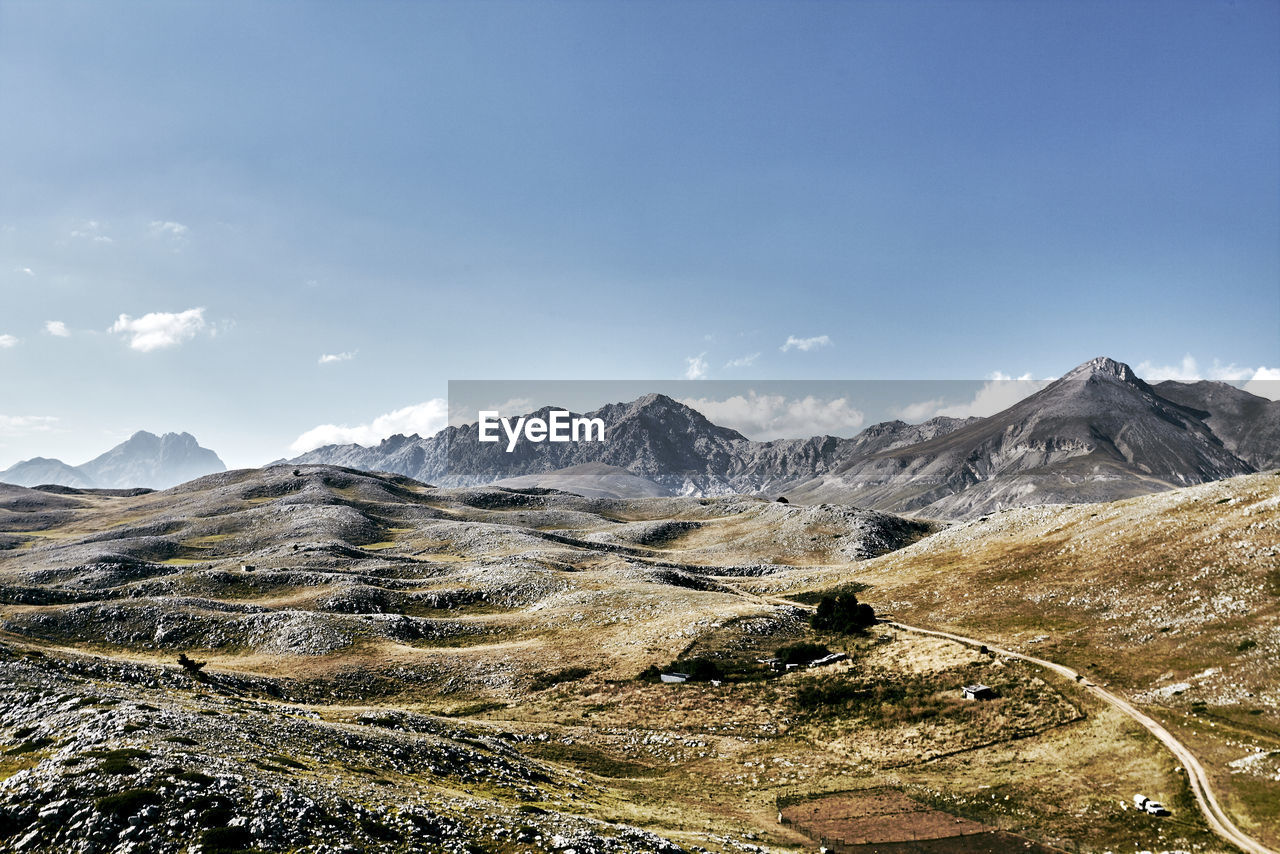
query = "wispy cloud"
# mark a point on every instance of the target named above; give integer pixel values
(330, 358)
(742, 361)
(1189, 370)
(998, 393)
(18, 425)
(425, 419)
(164, 228)
(695, 367)
(1262, 381)
(7, 341)
(91, 230)
(158, 330)
(57, 328)
(27, 270)
(805, 344)
(775, 416)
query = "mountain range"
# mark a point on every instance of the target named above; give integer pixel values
(1096, 434)
(143, 460)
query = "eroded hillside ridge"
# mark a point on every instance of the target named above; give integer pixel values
(1099, 433)
(339, 558)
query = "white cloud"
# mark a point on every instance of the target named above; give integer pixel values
(330, 358)
(7, 341)
(805, 344)
(775, 416)
(998, 393)
(1188, 370)
(1265, 382)
(425, 419)
(57, 328)
(742, 361)
(26, 270)
(159, 329)
(91, 230)
(17, 425)
(1262, 381)
(696, 367)
(161, 228)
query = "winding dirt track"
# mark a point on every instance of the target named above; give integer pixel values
(1217, 817)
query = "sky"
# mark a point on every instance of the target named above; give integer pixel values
(259, 221)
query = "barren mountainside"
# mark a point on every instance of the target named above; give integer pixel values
(1097, 434)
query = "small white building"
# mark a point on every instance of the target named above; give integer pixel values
(977, 692)
(674, 677)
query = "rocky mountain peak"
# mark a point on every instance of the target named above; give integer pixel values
(1104, 367)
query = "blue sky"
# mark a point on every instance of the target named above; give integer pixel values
(210, 197)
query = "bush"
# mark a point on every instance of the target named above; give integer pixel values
(128, 802)
(801, 653)
(843, 613)
(379, 831)
(225, 839)
(190, 665)
(546, 680)
(29, 746)
(699, 669)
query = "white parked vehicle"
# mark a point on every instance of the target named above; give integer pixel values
(1149, 806)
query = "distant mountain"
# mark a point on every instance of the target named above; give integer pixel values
(1097, 434)
(654, 437)
(143, 460)
(1248, 425)
(41, 470)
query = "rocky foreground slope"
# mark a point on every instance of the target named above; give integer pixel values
(395, 667)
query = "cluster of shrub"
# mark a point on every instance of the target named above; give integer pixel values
(842, 613)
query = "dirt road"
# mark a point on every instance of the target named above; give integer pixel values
(1217, 817)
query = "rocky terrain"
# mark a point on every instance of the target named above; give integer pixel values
(144, 460)
(1097, 434)
(391, 666)
(1248, 425)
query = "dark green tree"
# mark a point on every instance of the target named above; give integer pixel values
(843, 614)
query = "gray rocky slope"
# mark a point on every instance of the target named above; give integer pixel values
(1248, 425)
(654, 437)
(1097, 434)
(143, 460)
